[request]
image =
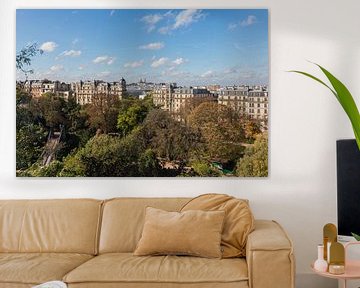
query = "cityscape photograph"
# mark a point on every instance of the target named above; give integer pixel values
(142, 93)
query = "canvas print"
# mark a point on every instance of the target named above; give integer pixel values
(142, 93)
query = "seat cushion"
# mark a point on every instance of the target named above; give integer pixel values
(35, 268)
(242, 284)
(127, 268)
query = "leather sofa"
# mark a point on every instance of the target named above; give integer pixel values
(89, 243)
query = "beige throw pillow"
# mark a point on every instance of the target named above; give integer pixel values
(194, 232)
(239, 220)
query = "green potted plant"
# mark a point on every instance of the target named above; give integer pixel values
(344, 97)
(346, 100)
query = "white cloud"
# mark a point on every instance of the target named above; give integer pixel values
(153, 46)
(134, 64)
(112, 12)
(208, 74)
(81, 67)
(151, 20)
(232, 26)
(229, 70)
(182, 19)
(250, 20)
(104, 59)
(71, 53)
(159, 62)
(48, 46)
(178, 61)
(164, 30)
(100, 59)
(111, 60)
(104, 73)
(186, 17)
(56, 68)
(75, 41)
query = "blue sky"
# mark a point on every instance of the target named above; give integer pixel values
(190, 47)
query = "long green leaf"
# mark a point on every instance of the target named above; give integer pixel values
(347, 102)
(357, 237)
(316, 79)
(344, 97)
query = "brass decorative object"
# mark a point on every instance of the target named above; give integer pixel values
(330, 236)
(337, 258)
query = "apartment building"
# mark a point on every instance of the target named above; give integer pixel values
(183, 96)
(37, 88)
(248, 100)
(173, 99)
(85, 91)
(162, 95)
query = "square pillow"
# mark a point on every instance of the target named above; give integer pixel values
(193, 232)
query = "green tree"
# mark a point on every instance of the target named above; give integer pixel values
(24, 116)
(103, 112)
(52, 170)
(77, 118)
(52, 109)
(24, 57)
(22, 98)
(169, 138)
(190, 104)
(255, 161)
(29, 142)
(131, 118)
(73, 166)
(204, 169)
(251, 128)
(103, 156)
(221, 129)
(149, 164)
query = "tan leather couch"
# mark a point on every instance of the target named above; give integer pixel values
(89, 243)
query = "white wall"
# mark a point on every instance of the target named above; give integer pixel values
(305, 119)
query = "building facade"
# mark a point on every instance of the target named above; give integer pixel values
(85, 91)
(248, 100)
(186, 96)
(162, 95)
(176, 100)
(38, 88)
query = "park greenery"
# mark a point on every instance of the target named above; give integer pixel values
(133, 137)
(129, 137)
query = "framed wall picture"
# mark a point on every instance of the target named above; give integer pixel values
(142, 93)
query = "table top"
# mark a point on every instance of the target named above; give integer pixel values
(352, 271)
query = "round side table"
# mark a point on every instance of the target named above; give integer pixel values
(352, 269)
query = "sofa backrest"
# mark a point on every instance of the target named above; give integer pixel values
(123, 220)
(67, 226)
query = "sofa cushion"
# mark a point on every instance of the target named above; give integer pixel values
(237, 284)
(238, 223)
(126, 268)
(63, 226)
(123, 220)
(193, 232)
(36, 268)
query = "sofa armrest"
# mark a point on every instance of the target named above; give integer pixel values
(269, 256)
